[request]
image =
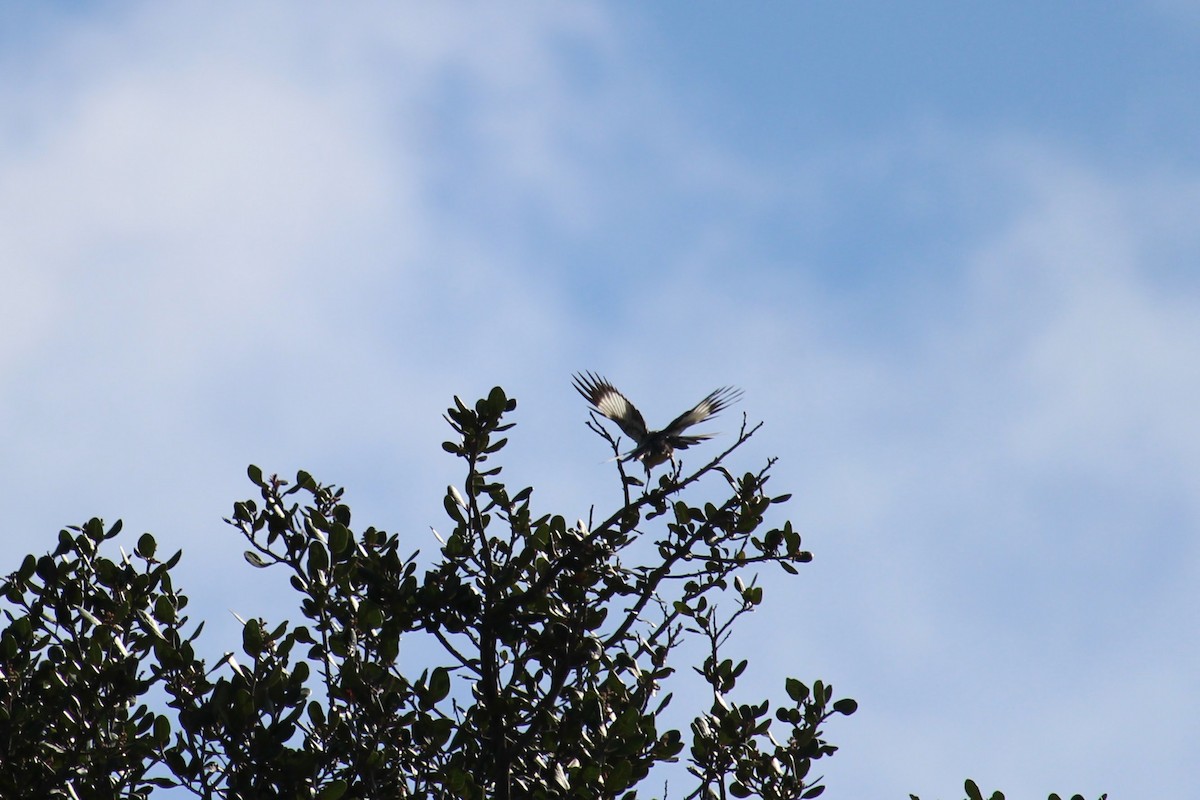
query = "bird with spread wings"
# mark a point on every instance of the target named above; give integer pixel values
(651, 448)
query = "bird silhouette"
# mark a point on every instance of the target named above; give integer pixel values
(651, 448)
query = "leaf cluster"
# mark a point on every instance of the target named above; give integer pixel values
(973, 793)
(555, 648)
(86, 640)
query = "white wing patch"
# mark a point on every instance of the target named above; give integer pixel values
(653, 447)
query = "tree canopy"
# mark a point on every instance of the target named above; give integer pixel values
(559, 645)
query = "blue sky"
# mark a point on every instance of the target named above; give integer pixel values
(948, 249)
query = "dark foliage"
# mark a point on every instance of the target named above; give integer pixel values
(559, 646)
(559, 643)
(973, 793)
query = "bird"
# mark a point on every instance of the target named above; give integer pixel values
(651, 448)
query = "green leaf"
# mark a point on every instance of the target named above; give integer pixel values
(255, 560)
(318, 557)
(796, 690)
(162, 730)
(452, 509)
(255, 475)
(439, 684)
(28, 567)
(845, 706)
(333, 791)
(146, 546)
(47, 570)
(164, 610)
(339, 540)
(252, 638)
(972, 790)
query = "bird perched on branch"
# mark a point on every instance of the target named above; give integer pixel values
(651, 447)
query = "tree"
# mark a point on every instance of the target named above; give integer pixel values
(559, 643)
(559, 646)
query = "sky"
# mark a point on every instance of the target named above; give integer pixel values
(949, 250)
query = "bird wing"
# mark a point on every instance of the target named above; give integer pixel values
(684, 442)
(708, 407)
(612, 404)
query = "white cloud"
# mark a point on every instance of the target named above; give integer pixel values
(1028, 471)
(999, 496)
(227, 237)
